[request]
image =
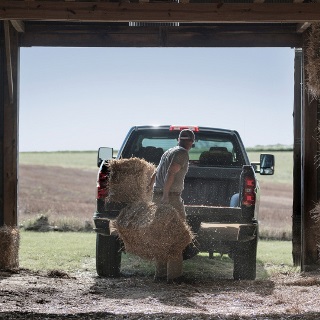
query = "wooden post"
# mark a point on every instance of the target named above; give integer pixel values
(309, 181)
(9, 91)
(296, 209)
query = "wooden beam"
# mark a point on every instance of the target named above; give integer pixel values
(18, 25)
(302, 27)
(8, 59)
(97, 11)
(106, 35)
(309, 183)
(3, 91)
(8, 132)
(296, 207)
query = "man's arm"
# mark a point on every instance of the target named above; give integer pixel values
(173, 169)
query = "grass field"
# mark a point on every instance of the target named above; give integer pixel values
(88, 160)
(75, 159)
(75, 252)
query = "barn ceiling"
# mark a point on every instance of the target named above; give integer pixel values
(153, 23)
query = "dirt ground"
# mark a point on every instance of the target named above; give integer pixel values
(57, 295)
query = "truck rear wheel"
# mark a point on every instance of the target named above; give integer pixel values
(108, 256)
(244, 259)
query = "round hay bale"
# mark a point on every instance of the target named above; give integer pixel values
(129, 180)
(9, 247)
(313, 61)
(153, 232)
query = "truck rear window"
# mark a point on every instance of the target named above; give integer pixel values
(210, 148)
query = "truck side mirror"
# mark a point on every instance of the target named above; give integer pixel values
(266, 164)
(104, 153)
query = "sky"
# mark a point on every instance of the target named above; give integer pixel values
(81, 99)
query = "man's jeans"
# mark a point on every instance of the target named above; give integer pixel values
(172, 268)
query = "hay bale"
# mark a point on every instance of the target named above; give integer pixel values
(9, 247)
(41, 223)
(313, 61)
(153, 232)
(129, 179)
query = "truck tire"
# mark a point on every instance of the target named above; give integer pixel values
(108, 256)
(244, 260)
(190, 251)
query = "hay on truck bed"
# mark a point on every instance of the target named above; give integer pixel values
(9, 247)
(153, 232)
(129, 179)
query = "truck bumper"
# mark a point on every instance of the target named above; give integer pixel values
(224, 238)
(214, 232)
(220, 229)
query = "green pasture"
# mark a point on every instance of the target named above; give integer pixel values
(66, 159)
(283, 166)
(74, 252)
(87, 160)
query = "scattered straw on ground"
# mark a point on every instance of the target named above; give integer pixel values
(34, 295)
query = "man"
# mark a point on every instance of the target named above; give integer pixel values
(169, 183)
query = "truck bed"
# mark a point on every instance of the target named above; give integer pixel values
(211, 186)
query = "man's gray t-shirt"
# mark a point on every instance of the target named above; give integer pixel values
(178, 155)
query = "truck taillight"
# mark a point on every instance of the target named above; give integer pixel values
(102, 183)
(249, 187)
(179, 128)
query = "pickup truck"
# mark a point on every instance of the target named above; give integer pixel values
(221, 194)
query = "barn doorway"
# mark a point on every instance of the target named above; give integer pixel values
(65, 97)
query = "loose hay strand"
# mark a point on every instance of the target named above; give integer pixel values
(313, 61)
(9, 247)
